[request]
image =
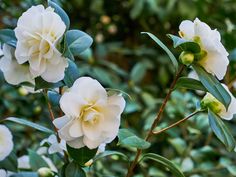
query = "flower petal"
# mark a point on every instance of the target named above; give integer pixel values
(76, 143)
(186, 29)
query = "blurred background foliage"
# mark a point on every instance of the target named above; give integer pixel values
(122, 58)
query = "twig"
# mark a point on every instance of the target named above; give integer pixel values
(177, 123)
(155, 122)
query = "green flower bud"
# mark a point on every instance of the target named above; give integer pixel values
(212, 103)
(186, 58)
(45, 172)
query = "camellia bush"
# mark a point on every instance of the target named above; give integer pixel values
(39, 57)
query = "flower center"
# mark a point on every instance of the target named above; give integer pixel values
(90, 114)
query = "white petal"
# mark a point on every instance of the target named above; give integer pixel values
(23, 162)
(215, 64)
(76, 129)
(6, 143)
(71, 104)
(76, 143)
(201, 29)
(90, 89)
(229, 114)
(3, 173)
(186, 29)
(61, 121)
(55, 73)
(92, 144)
(117, 100)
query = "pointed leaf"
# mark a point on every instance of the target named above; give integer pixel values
(189, 83)
(7, 36)
(30, 124)
(127, 138)
(74, 170)
(110, 153)
(10, 163)
(82, 155)
(213, 86)
(71, 74)
(36, 161)
(221, 131)
(184, 44)
(164, 162)
(76, 42)
(60, 12)
(169, 53)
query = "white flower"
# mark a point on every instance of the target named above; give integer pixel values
(13, 72)
(38, 33)
(3, 173)
(6, 143)
(217, 107)
(91, 116)
(55, 146)
(214, 56)
(23, 162)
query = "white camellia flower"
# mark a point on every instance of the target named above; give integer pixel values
(214, 56)
(55, 146)
(3, 173)
(38, 32)
(6, 143)
(91, 116)
(218, 108)
(13, 72)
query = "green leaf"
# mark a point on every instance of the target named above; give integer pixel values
(42, 84)
(74, 170)
(29, 124)
(169, 53)
(36, 161)
(71, 73)
(10, 163)
(76, 42)
(184, 44)
(164, 162)
(128, 138)
(213, 86)
(82, 155)
(25, 174)
(189, 83)
(54, 98)
(110, 153)
(221, 131)
(7, 36)
(60, 12)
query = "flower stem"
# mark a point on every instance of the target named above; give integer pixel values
(177, 123)
(155, 122)
(52, 117)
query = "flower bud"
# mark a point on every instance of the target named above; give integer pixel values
(45, 172)
(89, 163)
(186, 58)
(212, 103)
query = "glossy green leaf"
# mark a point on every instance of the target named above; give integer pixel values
(71, 74)
(82, 155)
(213, 86)
(29, 124)
(74, 170)
(128, 138)
(110, 153)
(164, 162)
(221, 131)
(169, 53)
(54, 98)
(60, 12)
(7, 36)
(184, 44)
(36, 161)
(42, 84)
(189, 83)
(76, 42)
(10, 163)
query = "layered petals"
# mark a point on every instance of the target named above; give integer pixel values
(91, 116)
